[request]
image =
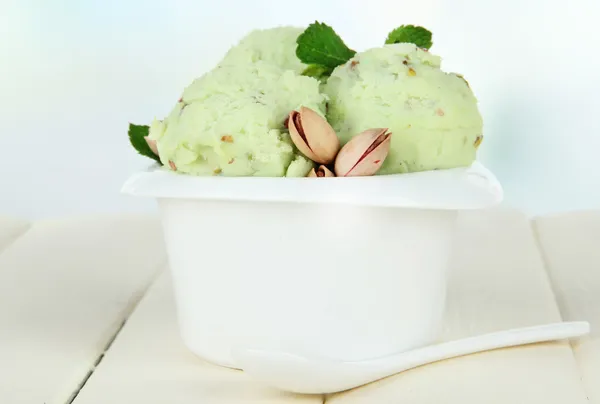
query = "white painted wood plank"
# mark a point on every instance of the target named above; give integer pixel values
(498, 281)
(10, 230)
(149, 364)
(65, 288)
(571, 247)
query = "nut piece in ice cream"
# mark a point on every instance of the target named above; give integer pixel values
(364, 154)
(322, 171)
(313, 135)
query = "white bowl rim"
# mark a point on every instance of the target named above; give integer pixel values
(463, 188)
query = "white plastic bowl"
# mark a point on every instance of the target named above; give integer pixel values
(350, 268)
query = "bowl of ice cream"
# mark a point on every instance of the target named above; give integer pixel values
(310, 203)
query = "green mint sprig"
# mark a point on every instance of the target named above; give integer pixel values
(411, 34)
(322, 49)
(137, 133)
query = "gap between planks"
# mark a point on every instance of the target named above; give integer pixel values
(17, 236)
(136, 299)
(544, 258)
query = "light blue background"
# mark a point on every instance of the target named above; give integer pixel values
(74, 73)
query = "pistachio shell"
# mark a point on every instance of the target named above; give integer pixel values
(152, 145)
(322, 171)
(313, 135)
(364, 154)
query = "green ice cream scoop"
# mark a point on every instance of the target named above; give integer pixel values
(274, 45)
(231, 122)
(433, 115)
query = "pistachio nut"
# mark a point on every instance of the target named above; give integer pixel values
(321, 171)
(364, 154)
(313, 136)
(152, 144)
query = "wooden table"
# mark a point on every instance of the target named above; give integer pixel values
(87, 317)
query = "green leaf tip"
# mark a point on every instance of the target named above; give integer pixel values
(317, 71)
(137, 134)
(411, 34)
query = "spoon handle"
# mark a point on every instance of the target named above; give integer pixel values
(502, 339)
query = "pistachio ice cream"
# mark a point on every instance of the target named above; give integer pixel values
(231, 122)
(433, 115)
(273, 45)
(287, 101)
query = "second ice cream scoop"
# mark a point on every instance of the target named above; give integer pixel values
(433, 114)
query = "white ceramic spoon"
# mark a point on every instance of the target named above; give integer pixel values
(317, 375)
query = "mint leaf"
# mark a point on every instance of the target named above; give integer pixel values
(317, 71)
(320, 45)
(410, 34)
(136, 138)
